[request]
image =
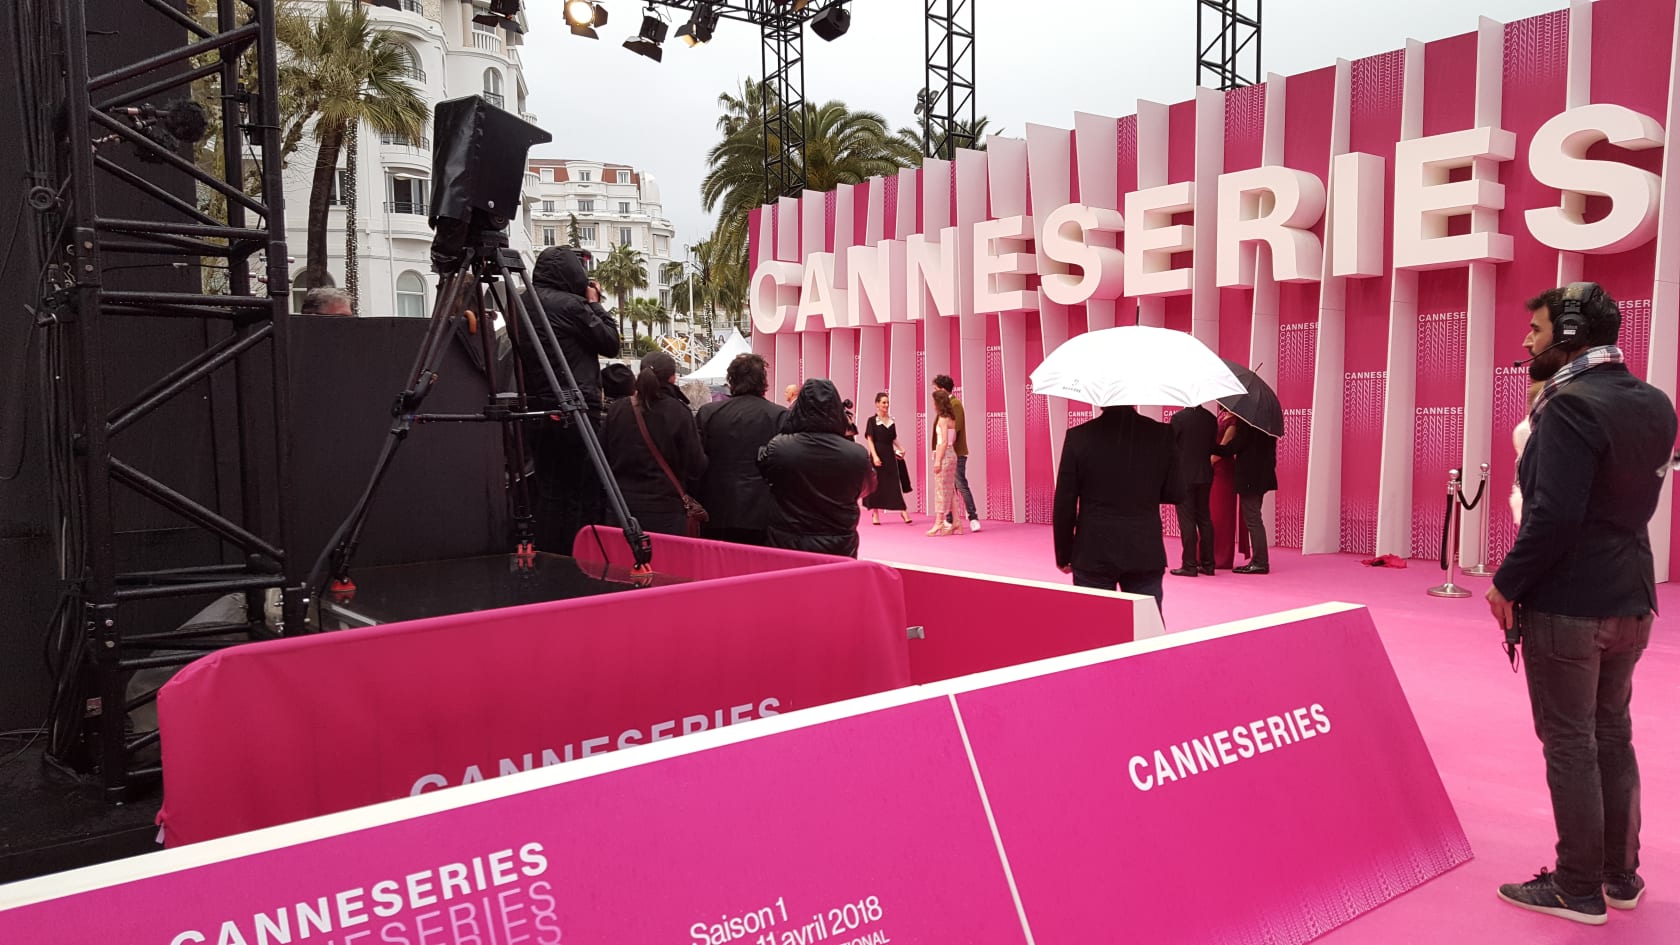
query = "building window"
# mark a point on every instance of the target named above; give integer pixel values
(586, 176)
(624, 177)
(586, 206)
(548, 206)
(493, 86)
(665, 298)
(414, 6)
(341, 183)
(624, 207)
(548, 236)
(624, 236)
(411, 295)
(405, 195)
(661, 246)
(586, 235)
(547, 174)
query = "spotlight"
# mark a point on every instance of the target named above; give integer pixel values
(583, 16)
(502, 13)
(832, 23)
(925, 100)
(646, 43)
(698, 29)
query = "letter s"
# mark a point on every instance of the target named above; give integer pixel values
(1138, 761)
(1320, 719)
(1557, 156)
(768, 708)
(531, 854)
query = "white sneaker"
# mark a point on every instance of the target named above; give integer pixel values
(973, 524)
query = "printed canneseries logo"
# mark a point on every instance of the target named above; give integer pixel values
(671, 728)
(1227, 746)
(491, 899)
(854, 922)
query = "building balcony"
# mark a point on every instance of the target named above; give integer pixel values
(494, 98)
(487, 42)
(407, 220)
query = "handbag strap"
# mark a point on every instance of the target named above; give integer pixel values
(641, 424)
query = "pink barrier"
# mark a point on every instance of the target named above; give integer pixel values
(693, 558)
(868, 822)
(974, 622)
(275, 732)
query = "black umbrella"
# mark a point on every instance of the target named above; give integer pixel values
(1259, 408)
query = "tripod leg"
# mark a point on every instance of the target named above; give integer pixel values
(548, 355)
(513, 440)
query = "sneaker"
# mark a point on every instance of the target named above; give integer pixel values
(1623, 890)
(1541, 894)
(973, 524)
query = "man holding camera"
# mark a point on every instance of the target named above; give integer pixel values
(1578, 591)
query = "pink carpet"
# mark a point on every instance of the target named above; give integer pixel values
(1472, 709)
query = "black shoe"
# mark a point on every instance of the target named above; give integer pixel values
(1623, 890)
(1184, 572)
(1207, 569)
(1252, 569)
(1541, 894)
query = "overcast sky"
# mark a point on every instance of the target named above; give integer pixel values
(602, 101)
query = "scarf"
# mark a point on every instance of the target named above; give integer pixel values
(1584, 362)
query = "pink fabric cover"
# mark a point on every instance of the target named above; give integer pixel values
(694, 558)
(972, 623)
(273, 732)
(873, 828)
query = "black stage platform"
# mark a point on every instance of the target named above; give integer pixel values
(52, 822)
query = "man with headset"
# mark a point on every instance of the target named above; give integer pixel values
(1578, 590)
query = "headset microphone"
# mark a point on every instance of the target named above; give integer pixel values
(1533, 357)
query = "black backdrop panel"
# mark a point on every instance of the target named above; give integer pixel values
(444, 495)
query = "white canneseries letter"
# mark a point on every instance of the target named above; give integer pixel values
(875, 283)
(1152, 239)
(1425, 198)
(1356, 213)
(1076, 235)
(1274, 205)
(817, 304)
(930, 278)
(1002, 263)
(774, 298)
(1558, 158)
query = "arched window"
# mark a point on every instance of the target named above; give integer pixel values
(411, 295)
(415, 70)
(493, 87)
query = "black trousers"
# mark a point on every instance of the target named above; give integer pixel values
(1195, 526)
(569, 494)
(1580, 686)
(1132, 582)
(1252, 505)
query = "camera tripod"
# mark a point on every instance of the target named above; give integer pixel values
(485, 267)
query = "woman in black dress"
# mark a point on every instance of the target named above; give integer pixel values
(880, 434)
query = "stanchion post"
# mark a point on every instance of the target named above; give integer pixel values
(1449, 589)
(1480, 568)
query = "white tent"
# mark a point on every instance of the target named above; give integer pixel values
(713, 371)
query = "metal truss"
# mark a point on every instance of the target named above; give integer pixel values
(111, 147)
(1227, 43)
(946, 105)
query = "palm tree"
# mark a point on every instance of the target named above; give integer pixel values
(977, 132)
(573, 238)
(621, 273)
(346, 72)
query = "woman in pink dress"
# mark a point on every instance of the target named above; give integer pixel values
(942, 473)
(1223, 498)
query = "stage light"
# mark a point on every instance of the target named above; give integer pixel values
(583, 16)
(698, 30)
(502, 13)
(925, 100)
(646, 43)
(832, 23)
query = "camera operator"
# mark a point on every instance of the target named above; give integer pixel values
(569, 494)
(1579, 591)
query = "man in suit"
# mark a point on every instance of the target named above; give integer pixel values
(1255, 475)
(1117, 470)
(1578, 589)
(732, 431)
(1194, 432)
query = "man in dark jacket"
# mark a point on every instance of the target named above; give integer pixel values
(1256, 475)
(732, 432)
(1194, 433)
(569, 494)
(1116, 472)
(1579, 587)
(816, 475)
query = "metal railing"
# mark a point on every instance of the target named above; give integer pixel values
(405, 206)
(417, 74)
(494, 98)
(414, 6)
(423, 143)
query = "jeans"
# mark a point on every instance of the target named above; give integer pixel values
(1132, 582)
(962, 489)
(1253, 507)
(1580, 683)
(1195, 526)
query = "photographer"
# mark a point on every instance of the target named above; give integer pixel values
(1579, 591)
(569, 494)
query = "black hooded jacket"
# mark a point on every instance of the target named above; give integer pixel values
(816, 475)
(585, 331)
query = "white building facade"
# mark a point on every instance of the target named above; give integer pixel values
(454, 57)
(615, 205)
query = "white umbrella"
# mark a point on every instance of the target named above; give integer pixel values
(1137, 365)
